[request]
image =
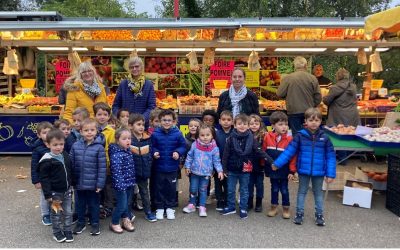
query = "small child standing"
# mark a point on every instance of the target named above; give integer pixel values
(275, 142)
(168, 145)
(89, 171)
(316, 160)
(55, 177)
(241, 149)
(256, 181)
(226, 122)
(122, 168)
(38, 150)
(65, 127)
(141, 149)
(123, 117)
(154, 121)
(202, 158)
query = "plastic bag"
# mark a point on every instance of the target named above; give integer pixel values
(376, 63)
(362, 56)
(208, 58)
(12, 59)
(7, 70)
(194, 65)
(253, 62)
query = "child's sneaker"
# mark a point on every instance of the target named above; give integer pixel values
(189, 209)
(95, 230)
(298, 219)
(68, 236)
(151, 217)
(273, 211)
(202, 212)
(319, 220)
(227, 211)
(79, 228)
(132, 217)
(170, 214)
(59, 237)
(243, 214)
(46, 220)
(220, 206)
(160, 214)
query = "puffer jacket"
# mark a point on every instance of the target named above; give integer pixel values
(248, 105)
(274, 148)
(141, 149)
(55, 176)
(166, 143)
(38, 150)
(88, 164)
(315, 154)
(122, 167)
(77, 97)
(203, 158)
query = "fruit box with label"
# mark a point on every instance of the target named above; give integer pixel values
(357, 193)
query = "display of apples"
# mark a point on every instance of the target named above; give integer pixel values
(343, 130)
(160, 65)
(384, 134)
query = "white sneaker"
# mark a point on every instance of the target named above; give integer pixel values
(160, 214)
(189, 209)
(170, 214)
(202, 212)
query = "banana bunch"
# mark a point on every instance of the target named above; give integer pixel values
(22, 98)
(4, 99)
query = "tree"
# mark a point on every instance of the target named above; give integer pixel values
(10, 5)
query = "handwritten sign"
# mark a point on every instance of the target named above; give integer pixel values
(62, 73)
(222, 70)
(252, 78)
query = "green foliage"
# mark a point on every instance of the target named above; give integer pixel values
(10, 5)
(391, 70)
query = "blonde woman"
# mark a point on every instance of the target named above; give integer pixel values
(84, 91)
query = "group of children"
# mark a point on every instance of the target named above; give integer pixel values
(99, 164)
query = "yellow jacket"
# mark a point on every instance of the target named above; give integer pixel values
(109, 135)
(76, 97)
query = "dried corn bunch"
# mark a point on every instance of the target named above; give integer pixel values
(253, 62)
(194, 65)
(208, 58)
(74, 60)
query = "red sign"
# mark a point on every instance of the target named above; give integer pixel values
(62, 73)
(222, 70)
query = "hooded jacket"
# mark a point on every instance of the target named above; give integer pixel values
(203, 158)
(77, 97)
(315, 154)
(38, 150)
(141, 149)
(122, 167)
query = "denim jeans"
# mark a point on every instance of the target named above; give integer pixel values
(198, 185)
(65, 215)
(90, 199)
(256, 181)
(282, 186)
(296, 122)
(143, 185)
(121, 209)
(44, 205)
(243, 179)
(317, 182)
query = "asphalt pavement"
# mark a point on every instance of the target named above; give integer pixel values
(20, 222)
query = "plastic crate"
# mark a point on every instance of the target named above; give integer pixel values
(393, 181)
(393, 201)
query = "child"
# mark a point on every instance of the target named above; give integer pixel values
(122, 168)
(65, 127)
(154, 122)
(241, 149)
(123, 117)
(102, 113)
(141, 149)
(275, 142)
(38, 150)
(114, 123)
(226, 122)
(316, 160)
(55, 177)
(256, 181)
(168, 145)
(78, 116)
(201, 159)
(209, 117)
(89, 170)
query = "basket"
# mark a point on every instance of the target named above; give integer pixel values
(220, 84)
(393, 181)
(393, 201)
(27, 83)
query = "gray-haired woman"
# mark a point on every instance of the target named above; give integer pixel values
(342, 101)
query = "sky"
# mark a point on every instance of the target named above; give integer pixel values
(149, 5)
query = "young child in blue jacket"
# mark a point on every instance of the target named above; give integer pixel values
(89, 174)
(316, 160)
(168, 145)
(122, 167)
(200, 162)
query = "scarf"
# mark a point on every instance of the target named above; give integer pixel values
(237, 140)
(92, 90)
(207, 147)
(136, 85)
(236, 97)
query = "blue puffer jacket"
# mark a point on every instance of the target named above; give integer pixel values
(141, 149)
(88, 164)
(38, 150)
(315, 154)
(122, 167)
(167, 142)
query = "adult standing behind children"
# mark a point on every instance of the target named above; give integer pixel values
(238, 99)
(301, 91)
(85, 91)
(136, 94)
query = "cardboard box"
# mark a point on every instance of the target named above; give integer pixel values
(339, 182)
(377, 185)
(357, 193)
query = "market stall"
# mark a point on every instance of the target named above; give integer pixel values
(188, 60)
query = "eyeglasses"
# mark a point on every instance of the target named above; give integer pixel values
(134, 67)
(87, 72)
(167, 120)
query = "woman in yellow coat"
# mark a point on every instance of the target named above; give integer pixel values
(84, 90)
